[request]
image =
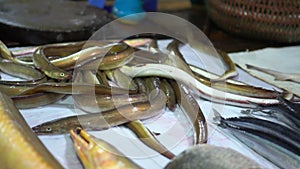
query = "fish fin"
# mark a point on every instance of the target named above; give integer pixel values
(247, 111)
(288, 95)
(281, 78)
(258, 107)
(250, 66)
(155, 133)
(218, 118)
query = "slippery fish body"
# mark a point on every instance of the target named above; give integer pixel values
(42, 63)
(209, 75)
(14, 89)
(102, 79)
(293, 107)
(106, 119)
(231, 71)
(100, 103)
(155, 83)
(148, 138)
(176, 59)
(202, 90)
(231, 68)
(286, 114)
(166, 87)
(95, 153)
(141, 84)
(121, 79)
(36, 100)
(76, 88)
(5, 52)
(285, 111)
(95, 121)
(120, 54)
(272, 152)
(29, 74)
(20, 148)
(106, 57)
(274, 132)
(295, 77)
(174, 47)
(233, 86)
(190, 107)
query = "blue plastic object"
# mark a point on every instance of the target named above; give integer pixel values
(150, 5)
(127, 7)
(97, 3)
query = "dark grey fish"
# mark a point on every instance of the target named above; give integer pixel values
(273, 132)
(278, 155)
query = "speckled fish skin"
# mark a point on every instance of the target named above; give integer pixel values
(20, 148)
(212, 157)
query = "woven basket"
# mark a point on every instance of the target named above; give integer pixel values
(272, 20)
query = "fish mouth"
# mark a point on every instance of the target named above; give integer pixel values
(80, 136)
(35, 129)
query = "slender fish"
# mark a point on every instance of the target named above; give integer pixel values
(42, 63)
(235, 88)
(140, 82)
(11, 89)
(148, 138)
(36, 100)
(166, 87)
(231, 68)
(20, 148)
(106, 119)
(5, 52)
(274, 132)
(100, 103)
(145, 135)
(77, 88)
(179, 61)
(231, 71)
(269, 150)
(102, 79)
(282, 112)
(202, 90)
(210, 75)
(95, 153)
(295, 77)
(174, 47)
(29, 74)
(190, 107)
(121, 79)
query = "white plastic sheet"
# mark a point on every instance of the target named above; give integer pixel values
(62, 148)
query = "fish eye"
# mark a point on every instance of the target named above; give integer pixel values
(62, 74)
(48, 129)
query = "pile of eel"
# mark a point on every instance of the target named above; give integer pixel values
(114, 83)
